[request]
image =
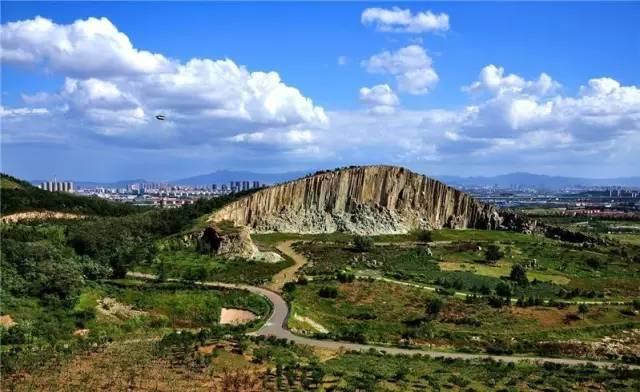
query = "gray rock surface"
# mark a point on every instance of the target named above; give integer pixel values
(363, 200)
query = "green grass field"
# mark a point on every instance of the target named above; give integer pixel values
(384, 312)
(458, 255)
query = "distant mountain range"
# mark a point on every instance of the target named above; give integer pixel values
(538, 181)
(225, 176)
(505, 180)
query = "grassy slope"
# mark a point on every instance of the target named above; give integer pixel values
(20, 196)
(561, 264)
(380, 310)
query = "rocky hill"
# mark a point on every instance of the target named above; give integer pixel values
(365, 200)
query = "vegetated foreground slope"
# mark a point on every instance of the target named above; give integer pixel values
(20, 196)
(366, 199)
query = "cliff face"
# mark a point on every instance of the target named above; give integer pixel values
(365, 200)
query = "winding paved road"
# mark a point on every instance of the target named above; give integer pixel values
(276, 325)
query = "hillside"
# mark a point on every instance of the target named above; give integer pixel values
(366, 199)
(20, 196)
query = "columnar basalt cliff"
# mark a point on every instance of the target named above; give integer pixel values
(365, 200)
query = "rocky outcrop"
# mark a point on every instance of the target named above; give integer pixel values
(519, 223)
(235, 241)
(364, 200)
(228, 241)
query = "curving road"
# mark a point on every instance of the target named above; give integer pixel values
(276, 325)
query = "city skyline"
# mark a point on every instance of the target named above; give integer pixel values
(443, 88)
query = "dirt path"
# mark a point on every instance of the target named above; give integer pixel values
(276, 325)
(288, 274)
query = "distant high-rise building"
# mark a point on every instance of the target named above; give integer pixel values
(256, 184)
(245, 185)
(214, 187)
(57, 186)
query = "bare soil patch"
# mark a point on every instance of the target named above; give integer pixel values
(236, 316)
(546, 317)
(6, 321)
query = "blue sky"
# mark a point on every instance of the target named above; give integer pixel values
(403, 92)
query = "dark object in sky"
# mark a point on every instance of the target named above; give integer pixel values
(160, 117)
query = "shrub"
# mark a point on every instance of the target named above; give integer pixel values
(493, 253)
(433, 307)
(496, 302)
(352, 333)
(593, 262)
(362, 243)
(328, 292)
(345, 277)
(424, 235)
(499, 349)
(503, 290)
(195, 273)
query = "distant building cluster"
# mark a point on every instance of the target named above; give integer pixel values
(57, 186)
(165, 195)
(241, 186)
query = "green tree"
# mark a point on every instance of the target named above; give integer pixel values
(519, 275)
(503, 290)
(493, 253)
(424, 235)
(433, 307)
(583, 309)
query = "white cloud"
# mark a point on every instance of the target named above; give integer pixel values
(114, 90)
(91, 47)
(380, 98)
(493, 79)
(404, 21)
(291, 137)
(215, 107)
(21, 112)
(411, 66)
(343, 60)
(515, 126)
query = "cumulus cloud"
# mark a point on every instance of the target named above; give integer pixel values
(90, 47)
(404, 21)
(216, 107)
(411, 66)
(380, 98)
(493, 79)
(113, 89)
(514, 126)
